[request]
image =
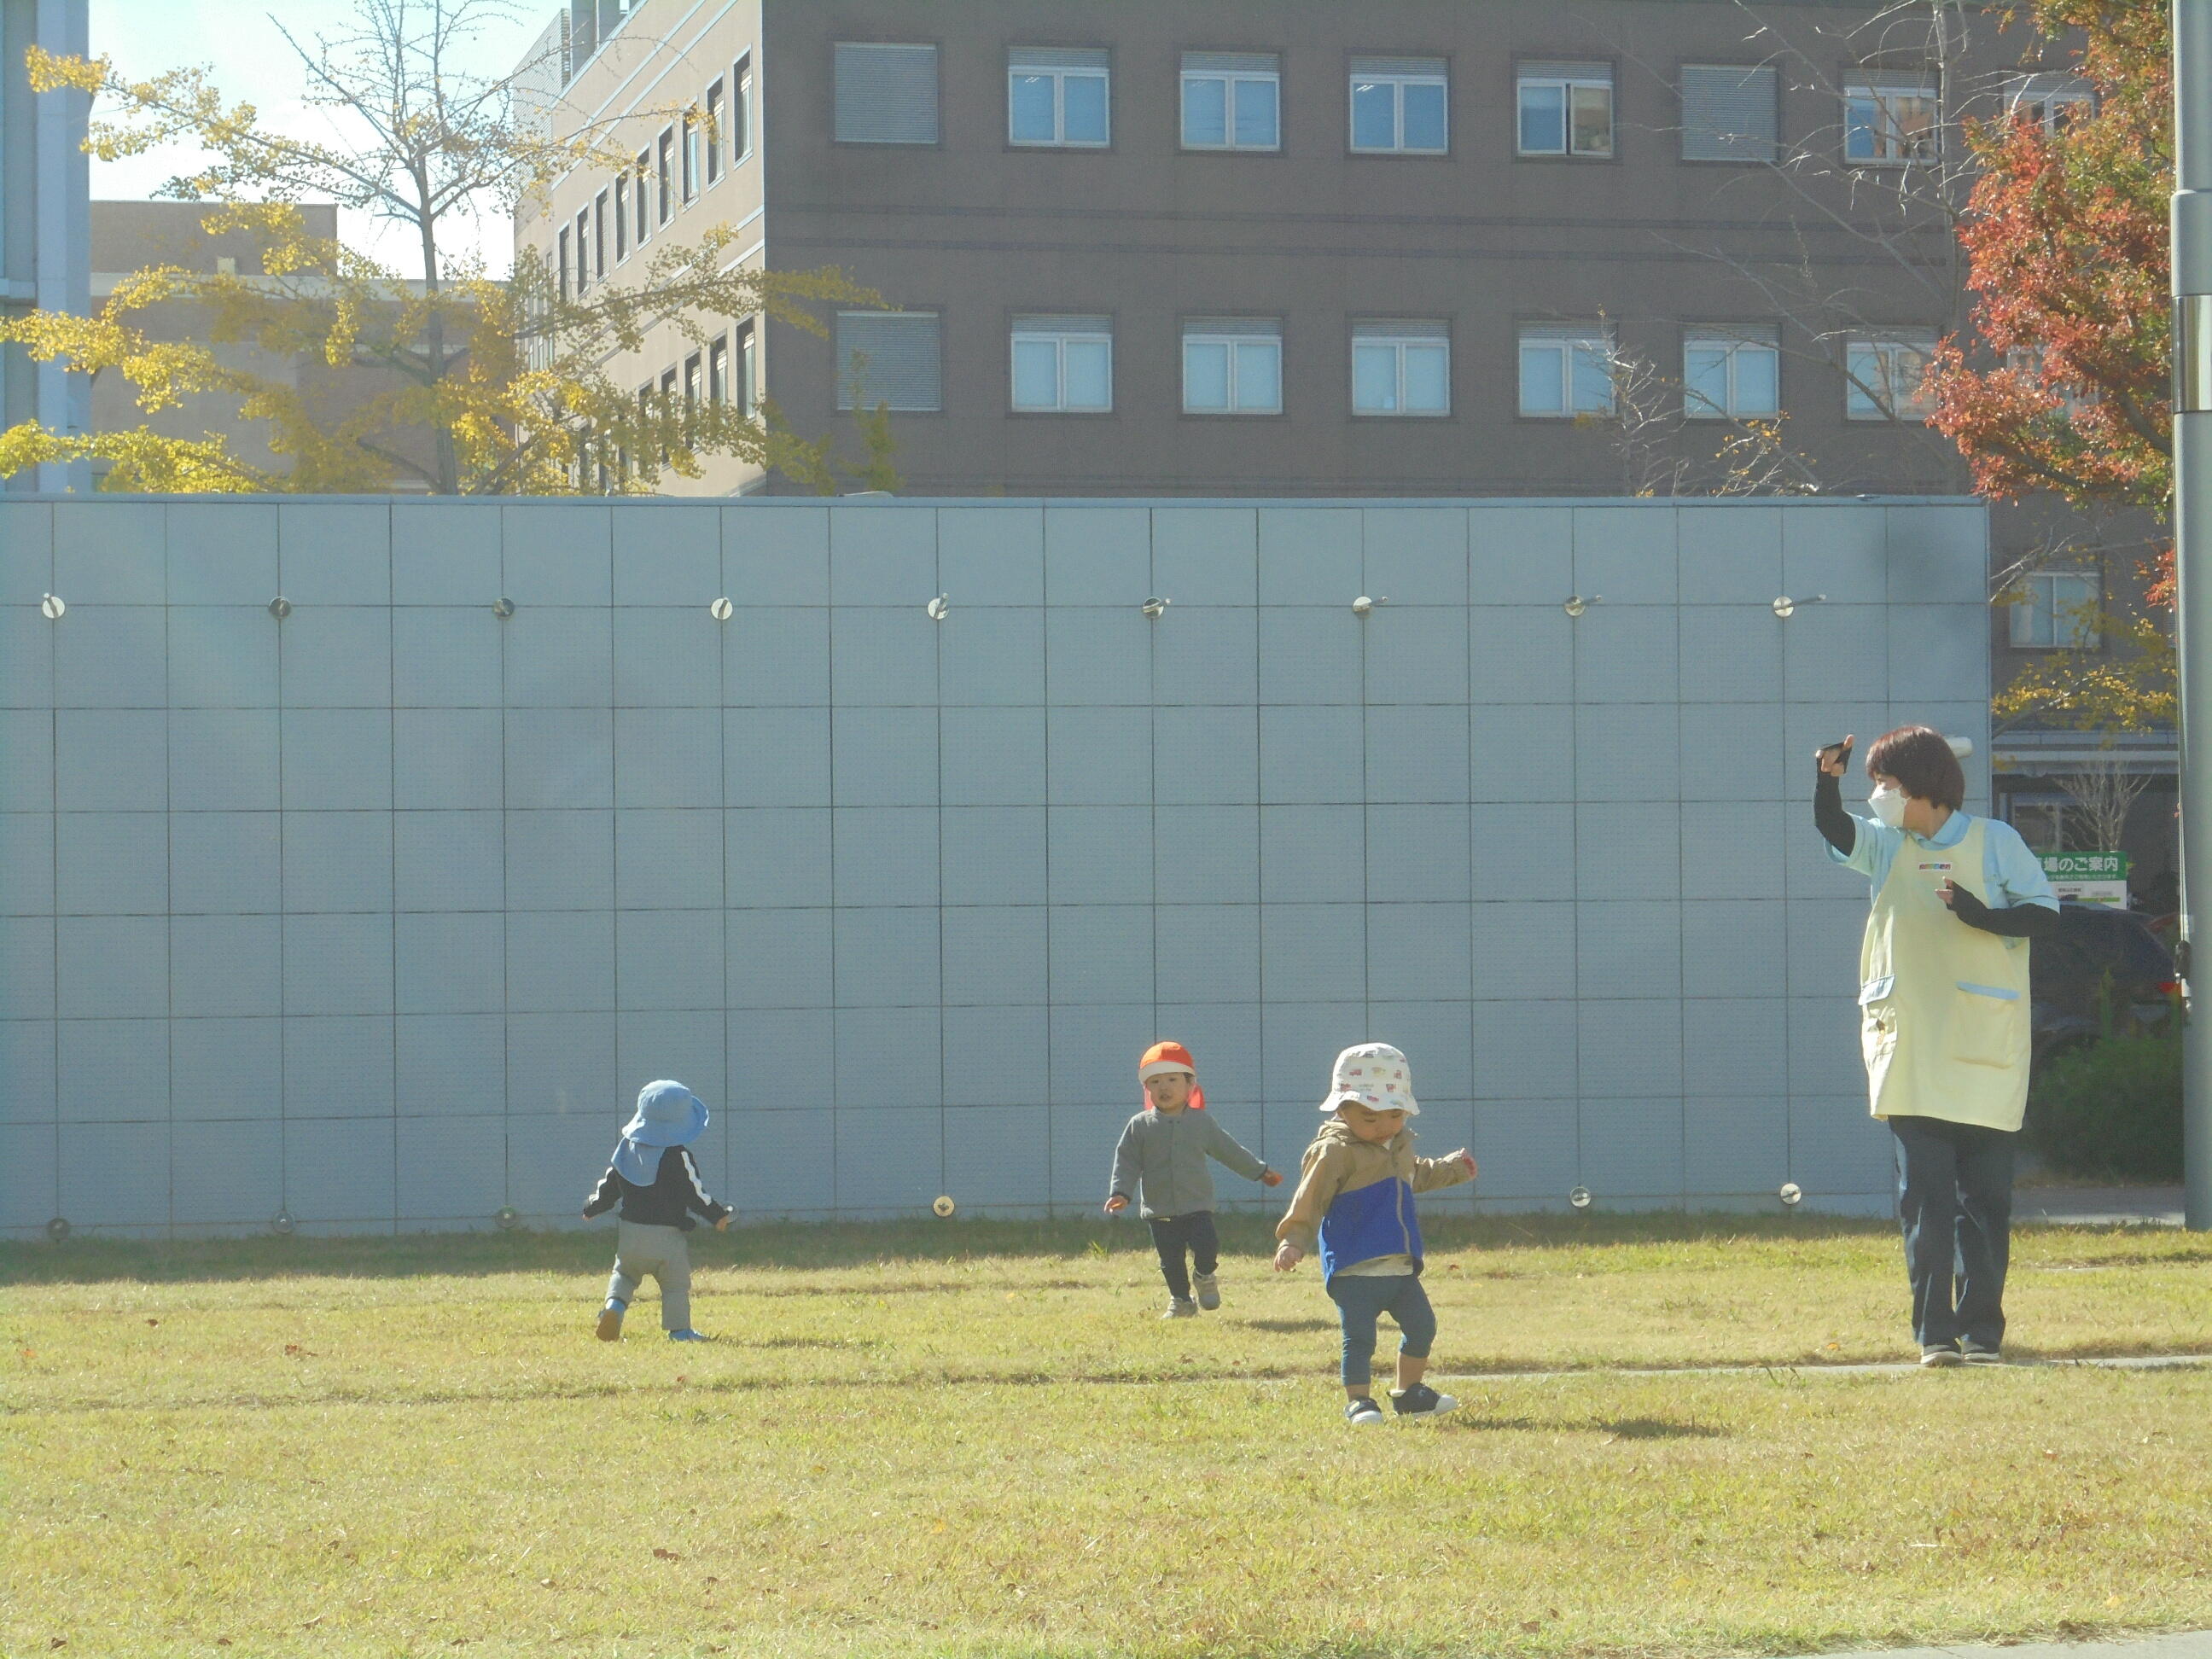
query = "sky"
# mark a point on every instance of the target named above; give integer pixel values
(248, 59)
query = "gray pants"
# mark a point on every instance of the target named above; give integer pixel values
(665, 1253)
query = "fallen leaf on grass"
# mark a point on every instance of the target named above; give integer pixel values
(315, 1622)
(294, 1351)
(546, 1583)
(58, 1641)
(659, 1554)
(1532, 1624)
(152, 1322)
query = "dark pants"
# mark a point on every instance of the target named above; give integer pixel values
(1174, 1234)
(1360, 1301)
(1954, 1199)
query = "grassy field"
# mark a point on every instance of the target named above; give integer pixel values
(977, 1438)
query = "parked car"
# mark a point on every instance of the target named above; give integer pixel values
(2104, 970)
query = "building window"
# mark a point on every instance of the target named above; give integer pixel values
(749, 378)
(2051, 101)
(892, 358)
(1731, 374)
(1566, 371)
(2059, 611)
(1566, 109)
(886, 94)
(664, 182)
(1063, 365)
(688, 150)
(741, 108)
(1398, 105)
(599, 237)
(561, 261)
(1232, 366)
(583, 243)
(1885, 375)
(718, 370)
(1401, 368)
(621, 217)
(1231, 100)
(1890, 124)
(715, 118)
(1728, 112)
(1057, 97)
(694, 389)
(644, 196)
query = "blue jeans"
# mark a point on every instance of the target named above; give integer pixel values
(1954, 1200)
(1360, 1301)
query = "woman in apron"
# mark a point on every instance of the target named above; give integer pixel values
(1943, 1006)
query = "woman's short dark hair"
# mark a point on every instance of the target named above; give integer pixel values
(1921, 762)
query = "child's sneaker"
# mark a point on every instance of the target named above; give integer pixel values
(1977, 1355)
(1209, 1290)
(687, 1334)
(611, 1322)
(1363, 1413)
(1181, 1308)
(1937, 1355)
(1421, 1401)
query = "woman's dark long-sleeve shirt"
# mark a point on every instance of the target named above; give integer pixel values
(1841, 831)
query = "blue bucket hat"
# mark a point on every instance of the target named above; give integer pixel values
(668, 1115)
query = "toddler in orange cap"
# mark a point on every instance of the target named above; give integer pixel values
(1161, 1161)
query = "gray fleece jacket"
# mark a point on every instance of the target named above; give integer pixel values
(1164, 1155)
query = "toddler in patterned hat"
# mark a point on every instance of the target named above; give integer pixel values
(1355, 1195)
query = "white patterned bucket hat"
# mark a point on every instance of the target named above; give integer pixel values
(1374, 1075)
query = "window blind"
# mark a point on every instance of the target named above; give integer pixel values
(1231, 63)
(890, 357)
(886, 94)
(1253, 328)
(1363, 67)
(1728, 112)
(1387, 329)
(1058, 57)
(1559, 71)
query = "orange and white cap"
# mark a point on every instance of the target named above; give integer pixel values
(1163, 1058)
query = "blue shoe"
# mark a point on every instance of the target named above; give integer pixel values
(611, 1322)
(687, 1334)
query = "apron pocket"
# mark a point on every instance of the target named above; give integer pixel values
(1877, 1023)
(1986, 1022)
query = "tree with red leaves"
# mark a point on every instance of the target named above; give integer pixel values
(2064, 385)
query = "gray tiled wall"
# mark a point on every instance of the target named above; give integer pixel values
(378, 914)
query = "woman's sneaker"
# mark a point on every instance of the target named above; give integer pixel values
(1209, 1290)
(687, 1334)
(1181, 1308)
(1937, 1355)
(1977, 1355)
(1421, 1401)
(611, 1322)
(1363, 1413)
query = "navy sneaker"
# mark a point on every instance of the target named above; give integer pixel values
(1421, 1401)
(687, 1334)
(1363, 1413)
(611, 1322)
(1937, 1355)
(1976, 1354)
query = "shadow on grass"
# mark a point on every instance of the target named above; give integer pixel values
(827, 1246)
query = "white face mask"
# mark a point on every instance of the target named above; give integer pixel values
(1888, 804)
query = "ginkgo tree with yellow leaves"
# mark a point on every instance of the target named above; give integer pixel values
(493, 385)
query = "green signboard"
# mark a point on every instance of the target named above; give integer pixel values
(2086, 866)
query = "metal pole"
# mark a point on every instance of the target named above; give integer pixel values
(2192, 532)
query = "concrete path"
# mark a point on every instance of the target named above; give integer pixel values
(2187, 1644)
(2152, 1361)
(2098, 1207)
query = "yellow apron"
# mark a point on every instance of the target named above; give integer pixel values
(1943, 1007)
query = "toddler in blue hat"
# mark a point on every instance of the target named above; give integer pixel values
(653, 1178)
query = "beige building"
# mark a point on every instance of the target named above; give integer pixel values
(1267, 248)
(132, 236)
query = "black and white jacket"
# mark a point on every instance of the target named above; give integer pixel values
(674, 1197)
